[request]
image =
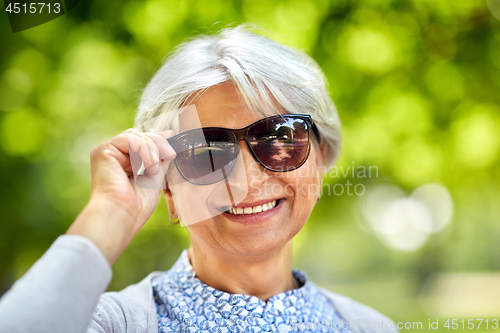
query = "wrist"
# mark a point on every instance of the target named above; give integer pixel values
(107, 225)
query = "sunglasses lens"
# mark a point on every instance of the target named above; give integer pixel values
(205, 156)
(280, 143)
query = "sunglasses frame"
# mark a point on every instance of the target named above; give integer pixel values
(242, 134)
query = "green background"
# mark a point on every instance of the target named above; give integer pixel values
(416, 84)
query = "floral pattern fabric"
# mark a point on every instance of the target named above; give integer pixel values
(185, 304)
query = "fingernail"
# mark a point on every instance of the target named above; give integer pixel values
(171, 150)
(156, 158)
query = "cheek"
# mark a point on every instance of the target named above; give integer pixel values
(305, 182)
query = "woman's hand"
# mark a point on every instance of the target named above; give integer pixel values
(124, 194)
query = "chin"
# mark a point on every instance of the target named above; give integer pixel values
(258, 245)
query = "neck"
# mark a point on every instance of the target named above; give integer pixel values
(262, 277)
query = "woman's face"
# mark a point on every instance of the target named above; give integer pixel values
(296, 192)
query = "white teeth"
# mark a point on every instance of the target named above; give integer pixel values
(252, 210)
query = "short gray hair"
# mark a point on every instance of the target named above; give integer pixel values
(270, 78)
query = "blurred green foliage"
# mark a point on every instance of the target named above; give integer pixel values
(416, 84)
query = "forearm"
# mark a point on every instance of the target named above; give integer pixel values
(59, 292)
(107, 225)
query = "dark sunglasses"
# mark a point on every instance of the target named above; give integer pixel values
(279, 143)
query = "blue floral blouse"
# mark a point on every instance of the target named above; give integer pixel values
(185, 304)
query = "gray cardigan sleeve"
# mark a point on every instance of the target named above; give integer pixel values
(359, 317)
(131, 310)
(59, 292)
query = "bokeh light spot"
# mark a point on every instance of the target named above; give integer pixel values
(368, 50)
(22, 133)
(477, 138)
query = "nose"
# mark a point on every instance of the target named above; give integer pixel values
(255, 173)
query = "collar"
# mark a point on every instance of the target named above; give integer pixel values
(182, 279)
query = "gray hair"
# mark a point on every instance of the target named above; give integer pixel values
(270, 78)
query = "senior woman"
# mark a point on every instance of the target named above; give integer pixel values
(253, 126)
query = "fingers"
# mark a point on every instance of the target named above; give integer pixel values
(149, 153)
(154, 176)
(142, 148)
(138, 152)
(150, 148)
(166, 152)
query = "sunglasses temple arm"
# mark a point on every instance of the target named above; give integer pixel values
(316, 132)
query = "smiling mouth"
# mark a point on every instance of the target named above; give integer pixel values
(252, 210)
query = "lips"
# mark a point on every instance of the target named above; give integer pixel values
(251, 208)
(254, 219)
